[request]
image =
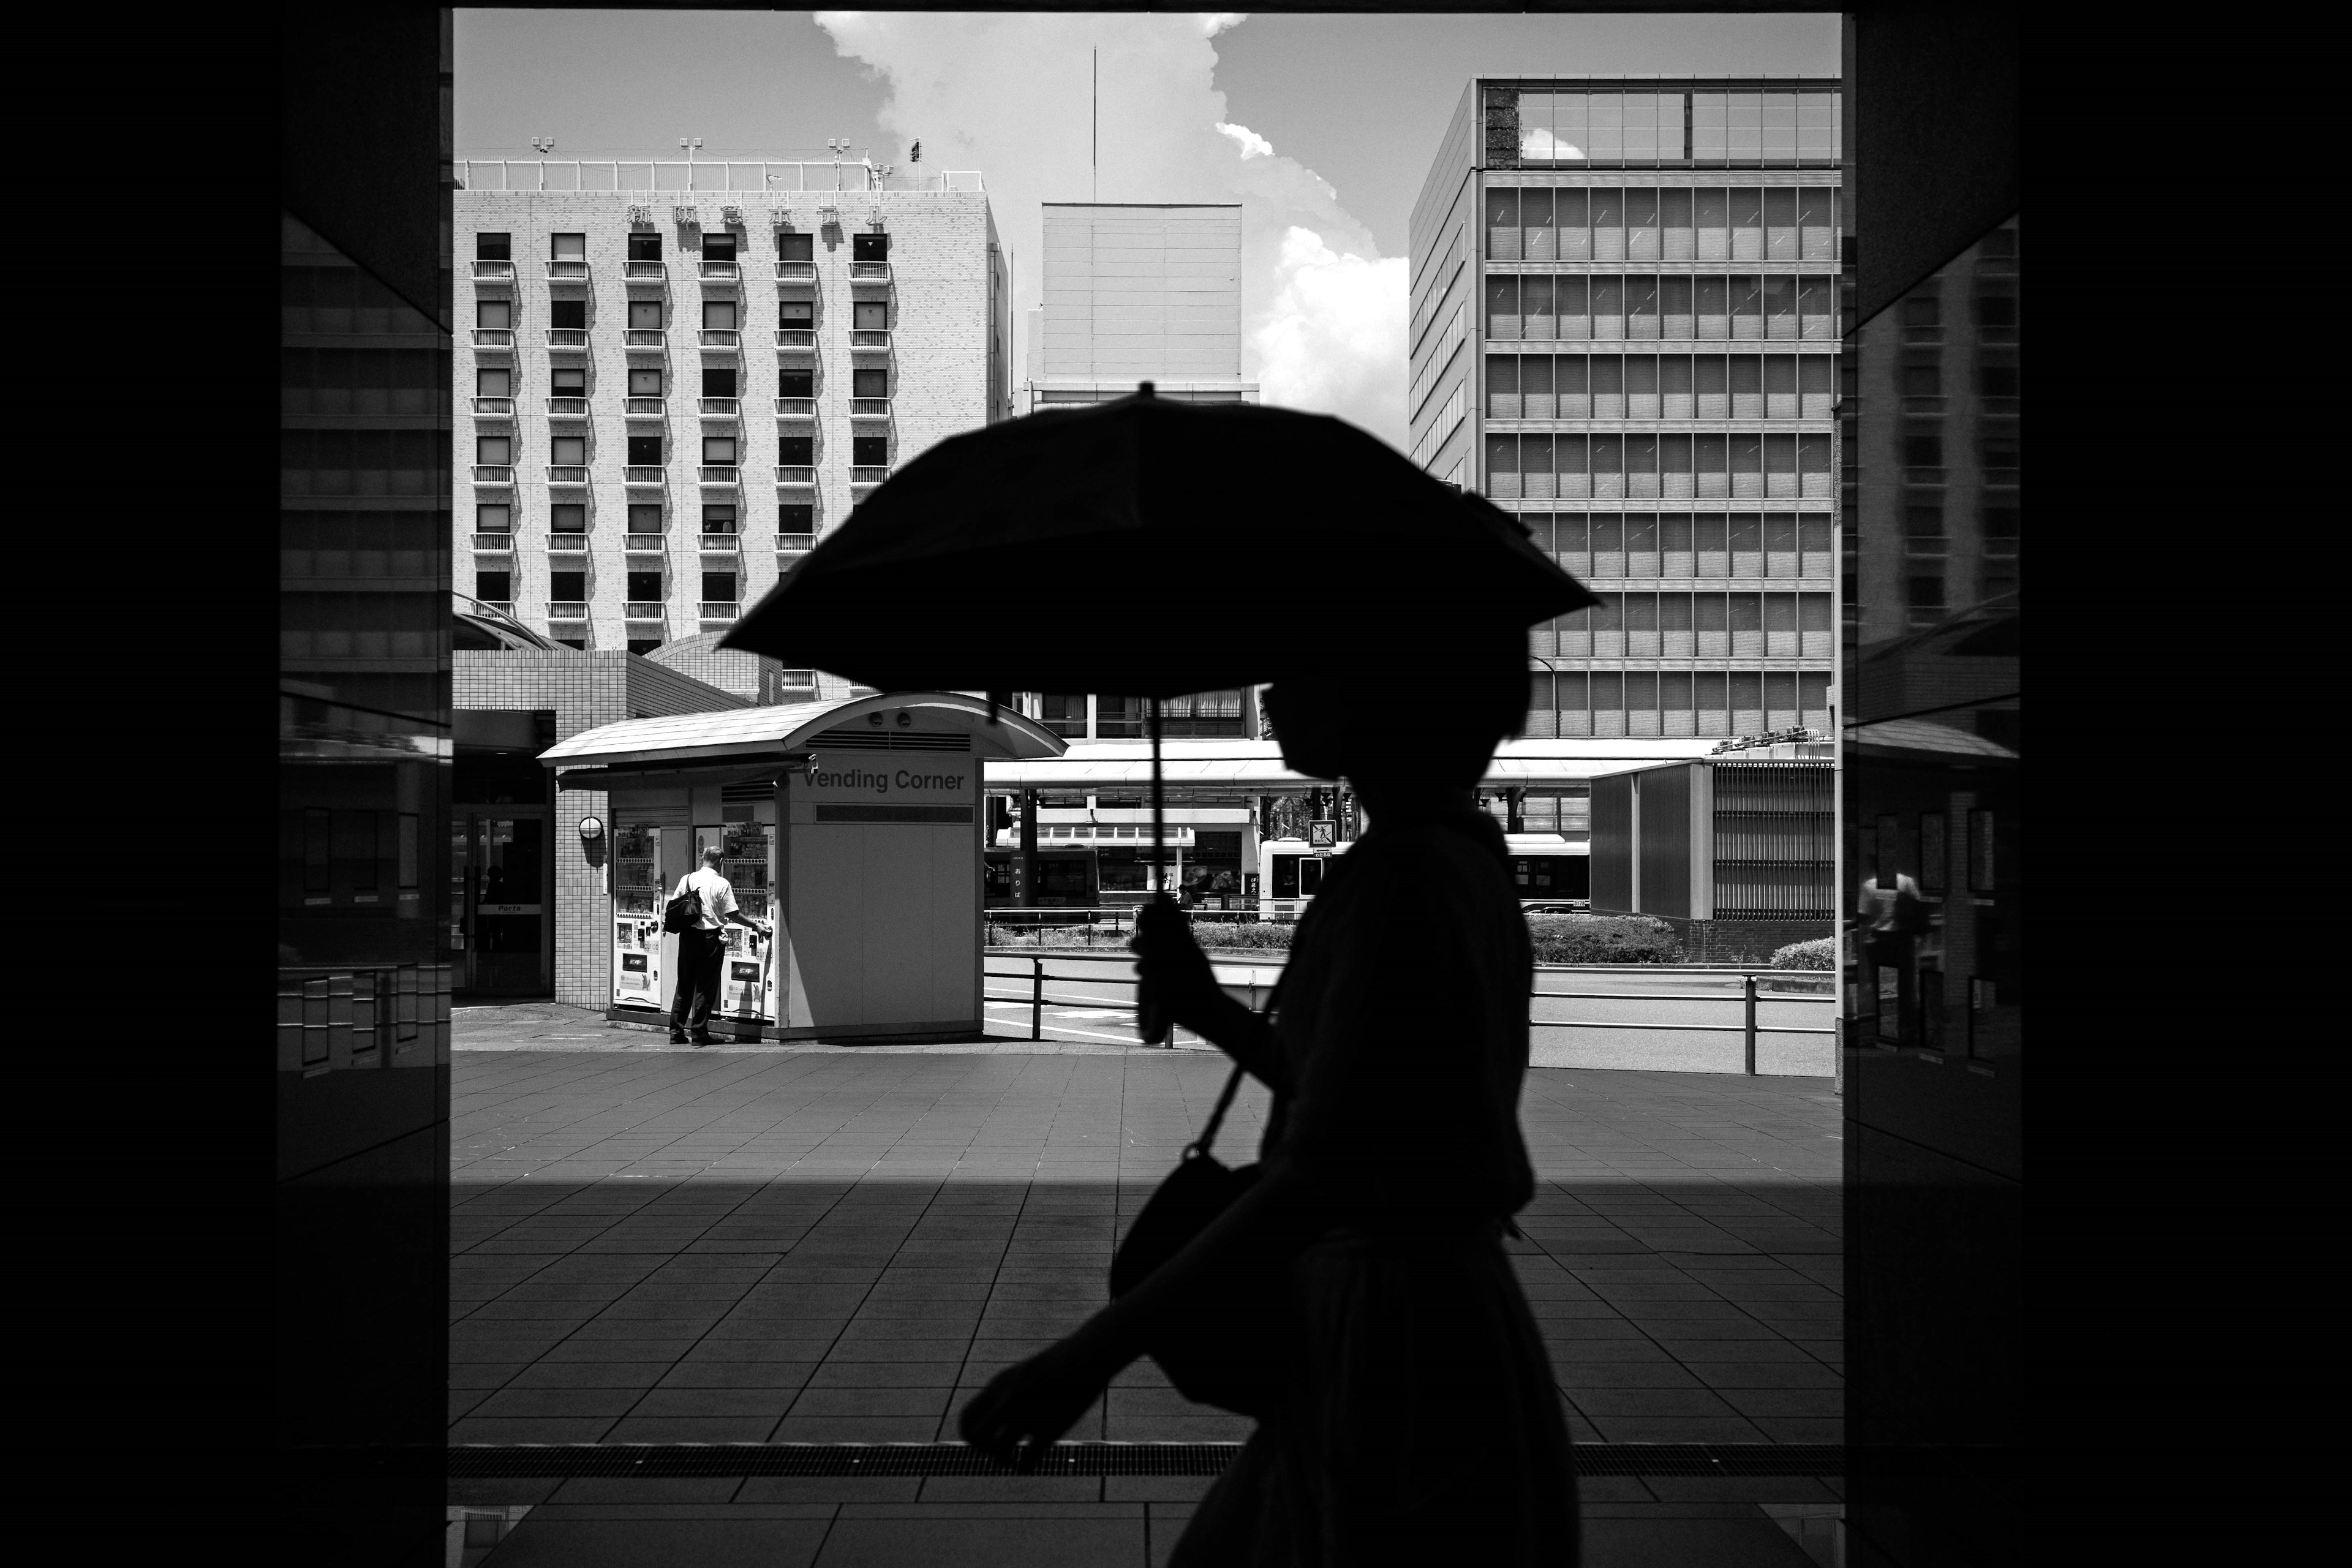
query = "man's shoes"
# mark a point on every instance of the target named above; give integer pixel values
(704, 1040)
(677, 1037)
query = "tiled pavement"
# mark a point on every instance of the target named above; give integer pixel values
(841, 1246)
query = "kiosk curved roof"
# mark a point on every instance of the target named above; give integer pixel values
(752, 734)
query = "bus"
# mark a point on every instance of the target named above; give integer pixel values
(1549, 872)
(1291, 874)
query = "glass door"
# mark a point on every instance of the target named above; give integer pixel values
(506, 936)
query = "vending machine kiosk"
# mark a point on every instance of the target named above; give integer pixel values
(853, 830)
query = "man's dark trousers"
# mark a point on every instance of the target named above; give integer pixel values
(700, 956)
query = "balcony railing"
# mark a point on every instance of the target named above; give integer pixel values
(643, 610)
(869, 272)
(796, 340)
(567, 408)
(1923, 336)
(723, 339)
(567, 337)
(503, 607)
(1925, 405)
(721, 271)
(869, 340)
(493, 271)
(567, 271)
(795, 543)
(567, 609)
(494, 409)
(494, 338)
(1999, 479)
(796, 476)
(718, 475)
(720, 609)
(645, 338)
(795, 271)
(721, 543)
(869, 408)
(1928, 478)
(494, 544)
(1998, 408)
(644, 543)
(643, 272)
(868, 474)
(645, 475)
(567, 545)
(494, 474)
(795, 407)
(719, 407)
(643, 407)
(567, 473)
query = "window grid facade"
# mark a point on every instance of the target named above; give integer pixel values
(659, 395)
(1652, 269)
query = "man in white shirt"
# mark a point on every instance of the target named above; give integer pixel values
(702, 952)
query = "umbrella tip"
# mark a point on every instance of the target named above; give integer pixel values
(1145, 389)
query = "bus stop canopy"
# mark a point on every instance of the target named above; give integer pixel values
(1247, 767)
(771, 736)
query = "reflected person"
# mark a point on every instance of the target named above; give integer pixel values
(1413, 1415)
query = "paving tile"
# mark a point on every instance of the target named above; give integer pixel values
(706, 1542)
(516, 1400)
(530, 1429)
(691, 1429)
(771, 1402)
(862, 1402)
(857, 1429)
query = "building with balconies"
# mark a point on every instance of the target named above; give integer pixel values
(675, 378)
(1624, 330)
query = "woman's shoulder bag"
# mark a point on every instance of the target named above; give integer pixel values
(1221, 1345)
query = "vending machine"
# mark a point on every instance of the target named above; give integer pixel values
(644, 966)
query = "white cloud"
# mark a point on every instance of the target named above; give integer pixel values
(1334, 339)
(1009, 94)
(1252, 144)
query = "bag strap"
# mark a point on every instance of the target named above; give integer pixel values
(1216, 1118)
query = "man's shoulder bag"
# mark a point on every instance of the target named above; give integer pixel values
(1222, 1347)
(683, 912)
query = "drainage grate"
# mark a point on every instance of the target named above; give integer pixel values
(478, 1460)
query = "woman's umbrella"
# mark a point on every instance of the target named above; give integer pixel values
(1151, 548)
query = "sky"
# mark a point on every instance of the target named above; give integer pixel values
(1322, 127)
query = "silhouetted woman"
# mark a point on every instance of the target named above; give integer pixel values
(1414, 1419)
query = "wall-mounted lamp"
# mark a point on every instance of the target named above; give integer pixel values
(591, 829)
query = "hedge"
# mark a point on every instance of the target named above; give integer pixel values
(1604, 938)
(1818, 954)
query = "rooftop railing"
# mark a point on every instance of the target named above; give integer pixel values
(742, 176)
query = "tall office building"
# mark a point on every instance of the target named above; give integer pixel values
(1138, 291)
(1624, 330)
(673, 378)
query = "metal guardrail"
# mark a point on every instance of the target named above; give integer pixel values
(1789, 985)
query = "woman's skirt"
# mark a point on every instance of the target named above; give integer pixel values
(1420, 1423)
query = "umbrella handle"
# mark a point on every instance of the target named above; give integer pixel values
(1152, 1022)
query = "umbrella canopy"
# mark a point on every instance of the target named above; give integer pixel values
(1151, 547)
